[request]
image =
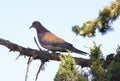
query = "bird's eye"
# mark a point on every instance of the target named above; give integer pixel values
(34, 23)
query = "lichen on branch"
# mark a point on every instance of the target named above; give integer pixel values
(102, 22)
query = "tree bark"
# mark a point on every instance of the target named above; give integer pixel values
(40, 54)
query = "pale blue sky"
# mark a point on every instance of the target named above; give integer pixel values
(58, 16)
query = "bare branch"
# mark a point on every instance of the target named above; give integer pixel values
(41, 55)
(28, 65)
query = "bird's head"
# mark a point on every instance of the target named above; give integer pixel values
(35, 24)
(38, 26)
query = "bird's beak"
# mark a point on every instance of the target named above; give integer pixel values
(30, 27)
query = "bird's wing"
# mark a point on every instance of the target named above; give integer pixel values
(52, 42)
(51, 39)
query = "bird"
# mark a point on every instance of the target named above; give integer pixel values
(50, 41)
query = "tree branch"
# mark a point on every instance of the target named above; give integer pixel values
(41, 55)
(102, 22)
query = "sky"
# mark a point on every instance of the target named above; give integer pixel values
(58, 16)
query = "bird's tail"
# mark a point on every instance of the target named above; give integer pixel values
(78, 51)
